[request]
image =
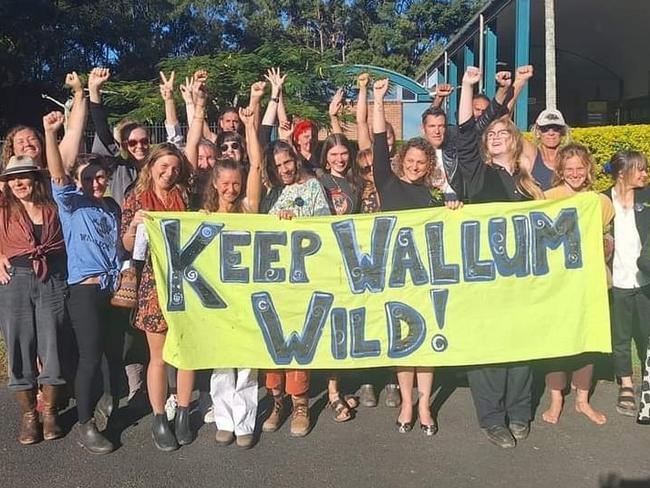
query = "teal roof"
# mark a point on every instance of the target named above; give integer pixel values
(421, 93)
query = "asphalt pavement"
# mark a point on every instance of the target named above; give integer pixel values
(365, 452)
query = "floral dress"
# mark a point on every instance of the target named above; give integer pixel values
(303, 199)
(148, 316)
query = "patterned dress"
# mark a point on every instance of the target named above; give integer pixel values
(148, 316)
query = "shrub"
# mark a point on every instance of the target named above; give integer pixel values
(604, 141)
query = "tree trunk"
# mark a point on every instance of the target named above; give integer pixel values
(549, 15)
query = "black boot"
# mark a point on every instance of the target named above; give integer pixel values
(162, 434)
(182, 426)
(92, 439)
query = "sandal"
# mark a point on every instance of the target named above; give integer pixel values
(626, 402)
(342, 411)
(352, 401)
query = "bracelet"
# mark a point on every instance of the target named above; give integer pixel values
(275, 99)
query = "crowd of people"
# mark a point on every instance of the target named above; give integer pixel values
(70, 221)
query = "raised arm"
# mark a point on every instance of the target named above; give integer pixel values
(254, 149)
(52, 122)
(171, 118)
(364, 140)
(522, 76)
(336, 106)
(443, 90)
(277, 81)
(71, 143)
(96, 80)
(469, 157)
(499, 104)
(255, 103)
(381, 157)
(195, 132)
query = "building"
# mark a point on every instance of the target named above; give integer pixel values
(602, 66)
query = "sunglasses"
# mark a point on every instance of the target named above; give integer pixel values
(230, 146)
(557, 128)
(135, 142)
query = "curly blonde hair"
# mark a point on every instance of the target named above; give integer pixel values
(433, 171)
(144, 182)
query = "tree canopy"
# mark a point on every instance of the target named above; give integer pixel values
(236, 40)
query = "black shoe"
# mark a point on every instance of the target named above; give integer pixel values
(182, 426)
(162, 434)
(91, 439)
(499, 435)
(520, 430)
(429, 430)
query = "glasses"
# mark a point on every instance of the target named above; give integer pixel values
(499, 133)
(230, 146)
(135, 142)
(557, 128)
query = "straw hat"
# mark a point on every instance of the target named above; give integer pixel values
(19, 165)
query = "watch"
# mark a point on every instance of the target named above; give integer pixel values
(275, 99)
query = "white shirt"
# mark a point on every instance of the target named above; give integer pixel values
(627, 248)
(445, 187)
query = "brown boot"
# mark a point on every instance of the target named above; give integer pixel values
(51, 429)
(273, 422)
(30, 428)
(300, 416)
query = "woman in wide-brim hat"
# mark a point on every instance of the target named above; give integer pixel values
(32, 293)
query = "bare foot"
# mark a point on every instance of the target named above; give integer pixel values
(552, 415)
(595, 416)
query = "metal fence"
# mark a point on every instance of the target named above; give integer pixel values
(157, 134)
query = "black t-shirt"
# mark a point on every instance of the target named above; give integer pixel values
(394, 193)
(343, 199)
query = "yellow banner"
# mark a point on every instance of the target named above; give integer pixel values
(485, 284)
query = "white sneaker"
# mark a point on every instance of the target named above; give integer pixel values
(170, 407)
(209, 416)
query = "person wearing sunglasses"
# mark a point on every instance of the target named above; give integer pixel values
(550, 131)
(231, 145)
(128, 155)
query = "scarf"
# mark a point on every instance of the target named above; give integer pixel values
(175, 201)
(17, 237)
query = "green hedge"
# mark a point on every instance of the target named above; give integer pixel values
(604, 141)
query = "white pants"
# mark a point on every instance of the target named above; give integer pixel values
(234, 398)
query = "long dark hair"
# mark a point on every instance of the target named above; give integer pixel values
(41, 195)
(340, 140)
(269, 161)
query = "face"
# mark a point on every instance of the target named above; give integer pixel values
(637, 176)
(479, 106)
(165, 171)
(499, 140)
(137, 143)
(550, 136)
(434, 130)
(207, 157)
(228, 185)
(22, 186)
(232, 150)
(92, 180)
(415, 165)
(26, 143)
(575, 173)
(229, 122)
(338, 160)
(286, 168)
(304, 141)
(365, 168)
